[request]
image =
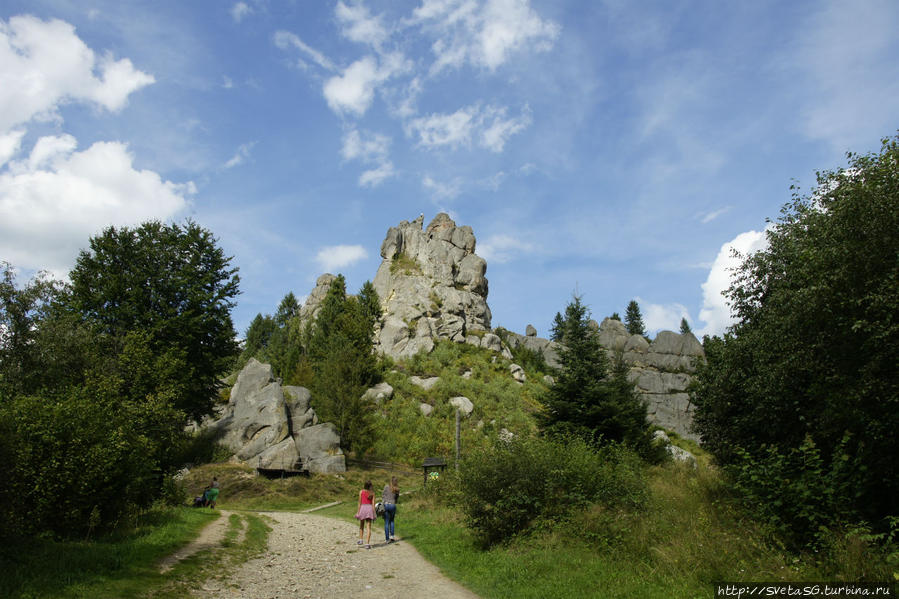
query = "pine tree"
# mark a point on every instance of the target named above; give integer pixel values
(633, 321)
(615, 316)
(586, 399)
(343, 363)
(558, 328)
(684, 327)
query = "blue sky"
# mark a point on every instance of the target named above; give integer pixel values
(610, 148)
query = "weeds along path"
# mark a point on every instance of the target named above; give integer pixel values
(312, 557)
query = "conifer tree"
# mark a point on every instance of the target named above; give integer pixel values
(586, 399)
(684, 327)
(633, 320)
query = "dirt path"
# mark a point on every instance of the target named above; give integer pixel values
(211, 536)
(311, 556)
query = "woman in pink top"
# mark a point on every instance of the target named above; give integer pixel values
(366, 512)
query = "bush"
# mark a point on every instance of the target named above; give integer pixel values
(509, 485)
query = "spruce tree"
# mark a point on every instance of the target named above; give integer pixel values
(633, 320)
(684, 327)
(586, 399)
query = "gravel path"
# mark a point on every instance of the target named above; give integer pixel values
(312, 556)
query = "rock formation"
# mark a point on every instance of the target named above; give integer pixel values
(431, 285)
(660, 371)
(271, 426)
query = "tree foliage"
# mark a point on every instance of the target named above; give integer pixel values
(588, 399)
(808, 374)
(633, 320)
(685, 327)
(341, 354)
(97, 379)
(173, 283)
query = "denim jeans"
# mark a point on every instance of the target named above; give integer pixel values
(389, 515)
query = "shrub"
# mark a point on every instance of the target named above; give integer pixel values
(509, 485)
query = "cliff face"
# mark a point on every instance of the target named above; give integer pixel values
(432, 286)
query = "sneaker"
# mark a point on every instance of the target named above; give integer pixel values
(359, 542)
(368, 546)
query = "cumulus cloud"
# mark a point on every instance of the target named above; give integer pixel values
(44, 64)
(353, 90)
(334, 257)
(372, 149)
(483, 35)
(240, 10)
(658, 317)
(9, 144)
(489, 127)
(55, 199)
(715, 312)
(503, 248)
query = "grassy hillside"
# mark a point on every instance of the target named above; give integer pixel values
(403, 434)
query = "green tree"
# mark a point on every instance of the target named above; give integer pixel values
(684, 326)
(175, 284)
(343, 362)
(287, 309)
(615, 316)
(633, 320)
(558, 328)
(805, 384)
(585, 400)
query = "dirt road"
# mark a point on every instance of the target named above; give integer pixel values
(311, 556)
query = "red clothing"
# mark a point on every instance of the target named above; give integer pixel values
(366, 497)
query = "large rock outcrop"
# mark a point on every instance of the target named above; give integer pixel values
(661, 370)
(271, 426)
(431, 285)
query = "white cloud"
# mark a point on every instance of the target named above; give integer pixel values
(715, 312)
(53, 201)
(359, 26)
(334, 257)
(374, 177)
(489, 126)
(503, 248)
(483, 35)
(227, 82)
(658, 317)
(500, 129)
(441, 191)
(286, 39)
(354, 90)
(44, 64)
(451, 130)
(710, 216)
(9, 144)
(369, 148)
(240, 10)
(243, 152)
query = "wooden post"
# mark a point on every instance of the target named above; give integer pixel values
(458, 438)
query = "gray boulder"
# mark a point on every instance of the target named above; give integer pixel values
(425, 409)
(379, 393)
(463, 404)
(424, 383)
(262, 420)
(530, 331)
(518, 373)
(319, 447)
